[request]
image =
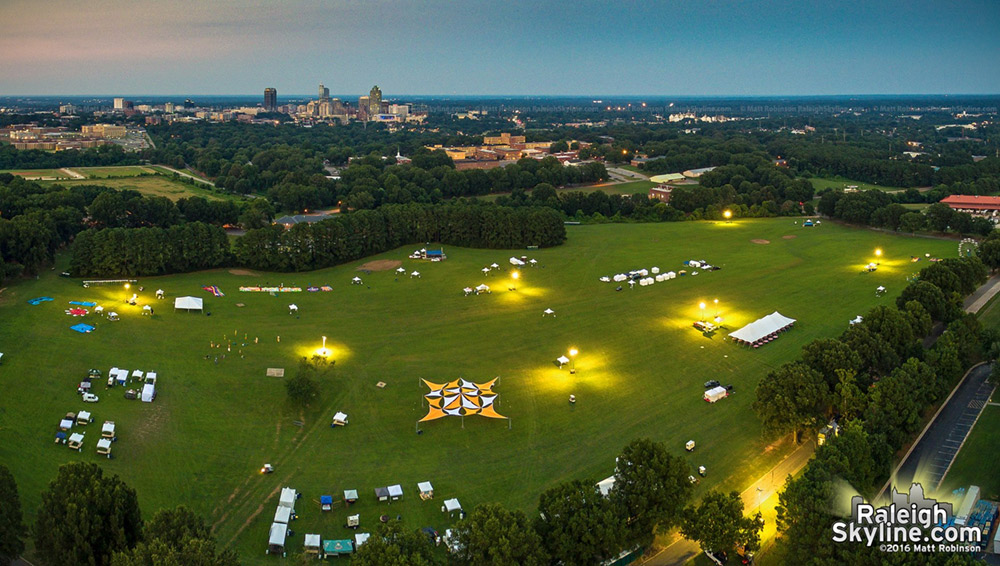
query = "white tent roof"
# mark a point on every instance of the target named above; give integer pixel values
(98, 308)
(356, 279)
(288, 497)
(425, 487)
(108, 427)
(312, 541)
(396, 490)
(452, 505)
(548, 311)
(400, 270)
(486, 270)
(76, 437)
(293, 307)
(605, 485)
(415, 274)
(762, 327)
(147, 308)
(340, 417)
(494, 265)
(278, 533)
(104, 443)
(361, 538)
(562, 360)
(83, 416)
(482, 287)
(282, 514)
(188, 303)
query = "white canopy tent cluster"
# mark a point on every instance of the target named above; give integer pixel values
(644, 277)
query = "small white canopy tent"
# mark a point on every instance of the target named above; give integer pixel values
(104, 447)
(66, 424)
(486, 270)
(857, 320)
(761, 328)
(288, 497)
(605, 485)
(451, 505)
(426, 489)
(562, 360)
(361, 538)
(532, 261)
(276, 538)
(99, 309)
(467, 290)
(415, 274)
(159, 293)
(312, 543)
(547, 312)
(76, 441)
(293, 308)
(605, 279)
(400, 270)
(108, 430)
(494, 265)
(113, 316)
(340, 419)
(395, 491)
(483, 288)
(148, 392)
(282, 515)
(188, 303)
(356, 281)
(83, 417)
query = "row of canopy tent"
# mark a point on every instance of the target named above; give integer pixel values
(282, 515)
(762, 330)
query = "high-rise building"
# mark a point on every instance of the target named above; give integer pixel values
(169, 107)
(119, 103)
(374, 101)
(324, 93)
(270, 99)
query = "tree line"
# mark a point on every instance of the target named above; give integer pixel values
(882, 210)
(347, 237)
(877, 379)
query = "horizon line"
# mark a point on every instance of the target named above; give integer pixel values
(296, 95)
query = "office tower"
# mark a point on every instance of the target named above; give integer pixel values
(119, 104)
(270, 100)
(324, 93)
(374, 101)
(169, 108)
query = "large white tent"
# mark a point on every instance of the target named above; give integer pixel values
(188, 303)
(762, 328)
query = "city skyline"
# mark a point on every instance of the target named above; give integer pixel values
(723, 48)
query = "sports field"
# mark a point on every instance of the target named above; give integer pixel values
(640, 370)
(820, 183)
(153, 185)
(38, 173)
(117, 171)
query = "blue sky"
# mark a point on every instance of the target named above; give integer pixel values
(670, 47)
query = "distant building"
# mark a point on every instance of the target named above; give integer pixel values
(975, 205)
(374, 101)
(661, 193)
(169, 108)
(119, 103)
(106, 131)
(67, 109)
(270, 99)
(324, 93)
(503, 139)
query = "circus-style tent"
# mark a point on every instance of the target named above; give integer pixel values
(460, 398)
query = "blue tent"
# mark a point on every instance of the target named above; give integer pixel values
(82, 328)
(39, 300)
(326, 502)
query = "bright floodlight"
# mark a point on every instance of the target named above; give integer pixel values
(515, 275)
(323, 351)
(701, 305)
(127, 286)
(573, 352)
(728, 214)
(878, 252)
(716, 302)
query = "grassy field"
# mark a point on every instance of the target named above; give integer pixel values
(640, 370)
(976, 463)
(155, 185)
(820, 183)
(38, 173)
(106, 172)
(630, 188)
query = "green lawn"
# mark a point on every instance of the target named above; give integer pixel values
(820, 183)
(989, 315)
(976, 464)
(118, 171)
(153, 185)
(639, 371)
(38, 173)
(633, 169)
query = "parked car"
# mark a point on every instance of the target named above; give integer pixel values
(90, 398)
(711, 384)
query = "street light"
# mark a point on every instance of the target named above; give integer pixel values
(572, 356)
(728, 214)
(878, 253)
(701, 305)
(716, 301)
(515, 275)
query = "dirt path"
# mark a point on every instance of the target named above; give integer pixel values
(73, 173)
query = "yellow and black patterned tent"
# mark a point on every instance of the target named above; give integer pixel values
(460, 398)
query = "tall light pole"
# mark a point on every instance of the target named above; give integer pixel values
(701, 305)
(716, 301)
(572, 356)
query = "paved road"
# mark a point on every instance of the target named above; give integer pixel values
(976, 301)
(932, 455)
(682, 550)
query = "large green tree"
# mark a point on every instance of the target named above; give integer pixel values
(651, 488)
(175, 537)
(11, 520)
(493, 536)
(718, 524)
(792, 398)
(85, 517)
(578, 525)
(393, 545)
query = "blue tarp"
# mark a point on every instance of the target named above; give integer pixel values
(83, 303)
(39, 300)
(326, 500)
(82, 328)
